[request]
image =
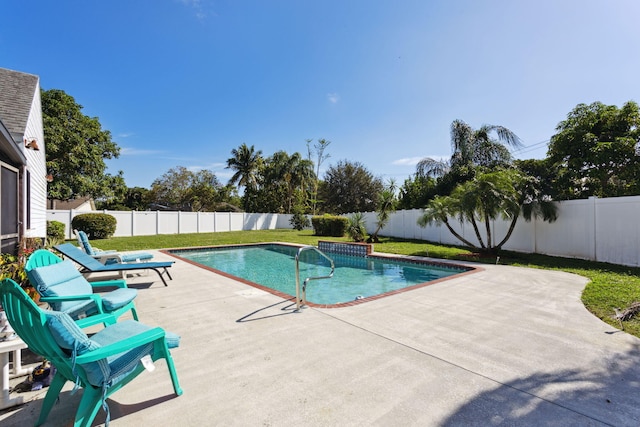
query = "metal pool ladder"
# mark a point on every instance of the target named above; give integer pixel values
(300, 302)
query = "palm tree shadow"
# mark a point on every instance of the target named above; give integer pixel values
(287, 309)
(569, 397)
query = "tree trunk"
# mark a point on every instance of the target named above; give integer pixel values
(487, 226)
(459, 237)
(477, 231)
(512, 227)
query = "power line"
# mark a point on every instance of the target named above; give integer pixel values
(532, 147)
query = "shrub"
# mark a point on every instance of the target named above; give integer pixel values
(356, 227)
(96, 225)
(299, 221)
(55, 232)
(329, 225)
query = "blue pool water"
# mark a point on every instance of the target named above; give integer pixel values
(273, 266)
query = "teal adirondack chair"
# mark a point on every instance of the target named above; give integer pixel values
(61, 285)
(101, 365)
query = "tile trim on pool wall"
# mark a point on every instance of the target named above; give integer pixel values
(287, 297)
(346, 248)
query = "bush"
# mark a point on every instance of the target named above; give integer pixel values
(329, 225)
(299, 221)
(356, 227)
(55, 232)
(96, 225)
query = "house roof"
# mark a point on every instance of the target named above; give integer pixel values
(74, 203)
(16, 96)
(9, 148)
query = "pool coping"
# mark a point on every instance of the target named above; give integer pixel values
(470, 269)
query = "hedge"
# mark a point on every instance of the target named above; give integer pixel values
(96, 225)
(329, 225)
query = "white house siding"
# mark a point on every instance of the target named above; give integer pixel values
(36, 166)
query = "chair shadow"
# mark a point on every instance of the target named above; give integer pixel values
(63, 412)
(120, 410)
(287, 309)
(140, 286)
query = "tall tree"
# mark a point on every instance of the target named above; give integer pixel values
(137, 198)
(283, 181)
(350, 187)
(471, 148)
(318, 150)
(77, 147)
(597, 151)
(246, 162)
(185, 190)
(416, 191)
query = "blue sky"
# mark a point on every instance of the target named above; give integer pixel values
(183, 82)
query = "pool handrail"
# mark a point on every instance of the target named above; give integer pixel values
(300, 302)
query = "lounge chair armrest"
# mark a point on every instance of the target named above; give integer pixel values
(126, 344)
(95, 298)
(101, 252)
(103, 258)
(95, 319)
(112, 283)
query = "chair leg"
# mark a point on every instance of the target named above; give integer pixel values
(172, 371)
(134, 313)
(52, 395)
(89, 406)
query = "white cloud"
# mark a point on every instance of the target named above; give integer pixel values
(125, 134)
(197, 6)
(407, 161)
(215, 167)
(412, 161)
(333, 97)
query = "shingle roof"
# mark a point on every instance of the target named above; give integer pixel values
(16, 95)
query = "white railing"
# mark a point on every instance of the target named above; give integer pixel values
(605, 230)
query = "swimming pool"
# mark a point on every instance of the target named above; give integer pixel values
(356, 279)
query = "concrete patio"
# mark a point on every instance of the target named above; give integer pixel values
(504, 346)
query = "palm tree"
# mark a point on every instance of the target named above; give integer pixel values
(502, 193)
(246, 163)
(356, 227)
(438, 211)
(472, 148)
(386, 205)
(298, 175)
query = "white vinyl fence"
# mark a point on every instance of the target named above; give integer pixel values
(146, 223)
(605, 230)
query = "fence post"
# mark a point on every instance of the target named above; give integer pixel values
(70, 226)
(594, 201)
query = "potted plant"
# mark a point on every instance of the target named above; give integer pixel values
(12, 266)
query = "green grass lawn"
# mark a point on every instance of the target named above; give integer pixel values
(610, 285)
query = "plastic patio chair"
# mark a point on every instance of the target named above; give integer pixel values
(60, 284)
(91, 265)
(101, 365)
(109, 257)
